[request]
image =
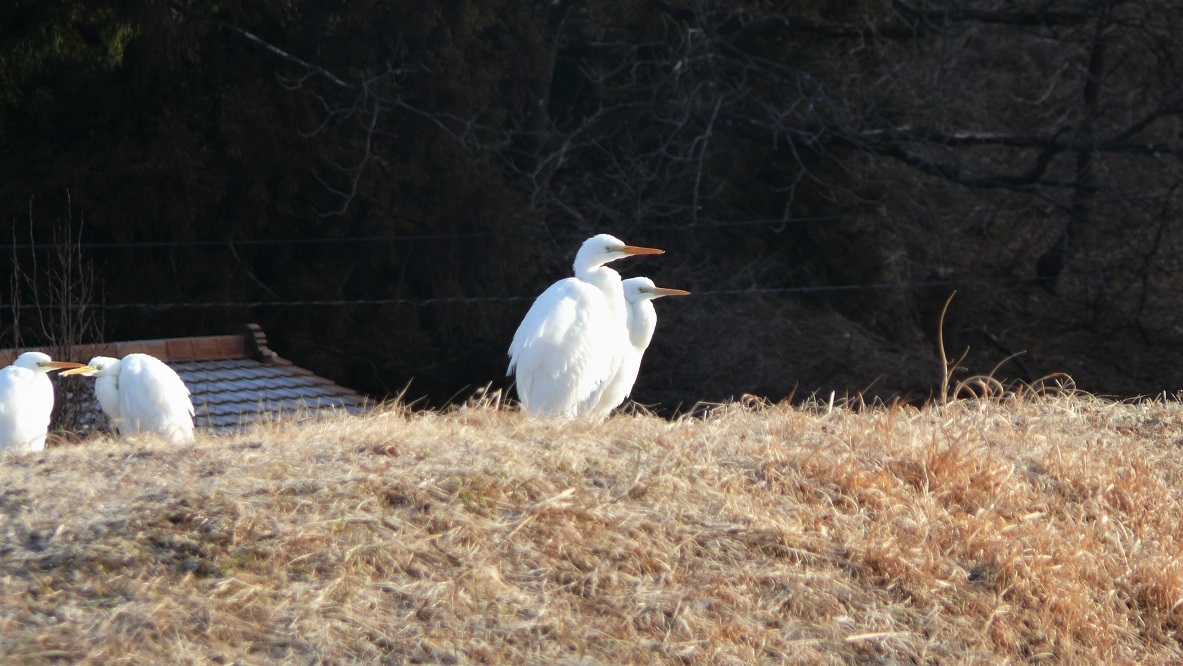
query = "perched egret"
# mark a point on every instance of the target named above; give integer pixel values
(570, 342)
(141, 394)
(639, 293)
(26, 401)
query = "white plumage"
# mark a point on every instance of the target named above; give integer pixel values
(26, 401)
(140, 393)
(639, 293)
(570, 343)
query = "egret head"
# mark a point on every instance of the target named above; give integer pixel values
(39, 362)
(99, 366)
(642, 289)
(599, 250)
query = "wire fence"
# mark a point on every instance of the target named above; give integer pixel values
(776, 224)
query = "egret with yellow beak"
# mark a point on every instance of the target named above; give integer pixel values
(26, 401)
(639, 293)
(140, 393)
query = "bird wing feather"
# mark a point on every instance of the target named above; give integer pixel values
(556, 354)
(642, 321)
(154, 399)
(620, 386)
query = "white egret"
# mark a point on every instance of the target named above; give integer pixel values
(639, 293)
(26, 401)
(141, 394)
(570, 342)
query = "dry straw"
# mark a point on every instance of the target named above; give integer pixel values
(1020, 530)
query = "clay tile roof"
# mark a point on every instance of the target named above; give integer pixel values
(234, 380)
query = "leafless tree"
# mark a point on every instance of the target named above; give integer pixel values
(891, 142)
(52, 305)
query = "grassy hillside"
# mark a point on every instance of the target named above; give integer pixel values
(1040, 529)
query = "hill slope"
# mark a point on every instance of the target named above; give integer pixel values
(1046, 528)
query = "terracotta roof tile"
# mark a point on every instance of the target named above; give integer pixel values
(157, 348)
(95, 350)
(179, 349)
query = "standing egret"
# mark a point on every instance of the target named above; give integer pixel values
(26, 401)
(141, 394)
(639, 293)
(569, 344)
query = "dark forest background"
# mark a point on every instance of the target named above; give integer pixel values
(385, 187)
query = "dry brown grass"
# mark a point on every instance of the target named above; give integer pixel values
(1044, 528)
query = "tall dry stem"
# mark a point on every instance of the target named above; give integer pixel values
(62, 293)
(947, 370)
